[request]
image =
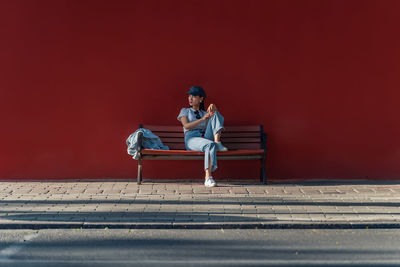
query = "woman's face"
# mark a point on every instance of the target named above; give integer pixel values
(194, 100)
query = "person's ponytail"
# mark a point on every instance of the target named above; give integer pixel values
(202, 106)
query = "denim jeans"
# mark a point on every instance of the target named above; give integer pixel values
(194, 140)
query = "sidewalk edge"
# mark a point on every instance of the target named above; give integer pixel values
(288, 225)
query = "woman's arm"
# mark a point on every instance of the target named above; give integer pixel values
(191, 125)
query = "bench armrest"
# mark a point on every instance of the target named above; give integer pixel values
(140, 142)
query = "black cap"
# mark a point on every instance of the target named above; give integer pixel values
(197, 91)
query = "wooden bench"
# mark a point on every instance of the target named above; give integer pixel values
(243, 143)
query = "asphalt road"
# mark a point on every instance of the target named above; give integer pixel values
(369, 247)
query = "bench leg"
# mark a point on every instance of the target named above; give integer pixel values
(139, 171)
(263, 172)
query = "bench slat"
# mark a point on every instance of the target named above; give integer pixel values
(179, 146)
(223, 139)
(248, 128)
(224, 134)
(228, 145)
(240, 140)
(242, 145)
(161, 128)
(240, 134)
(166, 140)
(166, 134)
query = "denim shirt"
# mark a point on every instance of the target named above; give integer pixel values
(189, 113)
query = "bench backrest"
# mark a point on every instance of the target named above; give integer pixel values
(233, 137)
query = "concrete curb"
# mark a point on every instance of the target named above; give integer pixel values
(226, 225)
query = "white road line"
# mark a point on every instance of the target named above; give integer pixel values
(8, 252)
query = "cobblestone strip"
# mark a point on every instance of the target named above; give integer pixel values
(126, 202)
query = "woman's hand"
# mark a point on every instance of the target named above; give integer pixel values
(211, 109)
(207, 116)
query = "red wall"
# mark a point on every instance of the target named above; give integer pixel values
(77, 77)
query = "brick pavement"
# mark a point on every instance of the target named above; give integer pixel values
(124, 204)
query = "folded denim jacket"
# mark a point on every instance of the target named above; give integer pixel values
(149, 140)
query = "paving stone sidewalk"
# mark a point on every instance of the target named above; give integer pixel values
(124, 204)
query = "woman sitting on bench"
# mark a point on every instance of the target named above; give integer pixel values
(202, 130)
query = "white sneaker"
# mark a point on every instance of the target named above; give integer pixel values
(210, 182)
(220, 147)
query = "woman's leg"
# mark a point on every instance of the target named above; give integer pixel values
(210, 153)
(214, 126)
(213, 130)
(208, 170)
(217, 137)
